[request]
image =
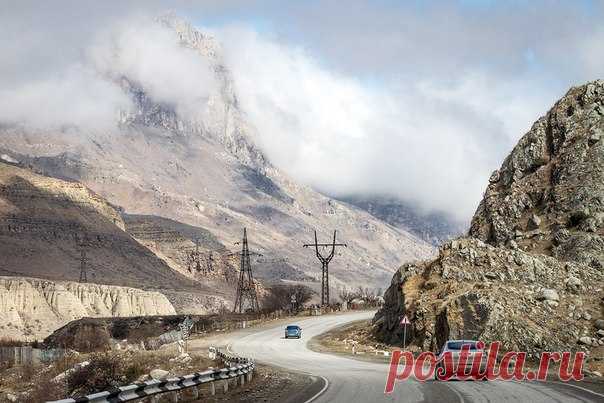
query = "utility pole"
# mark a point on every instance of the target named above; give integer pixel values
(246, 289)
(325, 264)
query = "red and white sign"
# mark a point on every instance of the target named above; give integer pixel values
(405, 321)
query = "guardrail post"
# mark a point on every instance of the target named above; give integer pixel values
(195, 392)
(212, 388)
(174, 397)
(249, 376)
(242, 380)
(226, 385)
(153, 399)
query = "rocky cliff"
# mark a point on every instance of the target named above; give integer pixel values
(31, 309)
(530, 272)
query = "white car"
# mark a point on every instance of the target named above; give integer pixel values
(453, 349)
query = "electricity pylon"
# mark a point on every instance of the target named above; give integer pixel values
(82, 245)
(246, 298)
(325, 264)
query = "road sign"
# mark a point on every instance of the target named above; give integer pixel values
(404, 322)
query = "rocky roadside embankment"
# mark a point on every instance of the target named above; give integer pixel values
(530, 273)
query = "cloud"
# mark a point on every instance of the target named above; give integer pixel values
(77, 96)
(418, 100)
(59, 76)
(431, 143)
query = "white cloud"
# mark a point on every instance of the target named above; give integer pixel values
(417, 100)
(78, 83)
(150, 55)
(428, 142)
(77, 96)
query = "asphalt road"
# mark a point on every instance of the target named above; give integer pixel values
(350, 380)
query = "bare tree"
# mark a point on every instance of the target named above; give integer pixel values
(346, 294)
(287, 297)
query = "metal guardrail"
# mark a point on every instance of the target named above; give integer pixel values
(238, 368)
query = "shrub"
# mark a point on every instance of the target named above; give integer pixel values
(106, 371)
(102, 373)
(45, 389)
(90, 338)
(120, 329)
(280, 297)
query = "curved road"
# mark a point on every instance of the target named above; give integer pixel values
(358, 381)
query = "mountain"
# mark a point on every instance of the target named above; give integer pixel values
(201, 176)
(530, 272)
(434, 228)
(43, 220)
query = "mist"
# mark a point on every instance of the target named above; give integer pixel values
(420, 102)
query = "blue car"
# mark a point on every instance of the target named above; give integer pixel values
(293, 331)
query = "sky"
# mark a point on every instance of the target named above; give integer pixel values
(419, 100)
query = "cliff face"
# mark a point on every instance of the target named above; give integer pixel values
(31, 309)
(530, 272)
(548, 195)
(44, 221)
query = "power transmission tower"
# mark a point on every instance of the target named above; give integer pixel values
(83, 244)
(325, 264)
(246, 298)
(194, 259)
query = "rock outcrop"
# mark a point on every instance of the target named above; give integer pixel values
(548, 196)
(530, 272)
(31, 309)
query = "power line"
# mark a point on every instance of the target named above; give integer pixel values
(325, 264)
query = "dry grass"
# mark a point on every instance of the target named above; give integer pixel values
(35, 383)
(8, 342)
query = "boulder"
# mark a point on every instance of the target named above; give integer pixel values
(159, 374)
(599, 324)
(533, 223)
(548, 294)
(573, 284)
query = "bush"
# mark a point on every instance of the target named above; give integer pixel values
(102, 373)
(120, 329)
(106, 371)
(280, 297)
(46, 389)
(91, 338)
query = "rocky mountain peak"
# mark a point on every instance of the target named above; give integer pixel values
(548, 195)
(189, 36)
(177, 175)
